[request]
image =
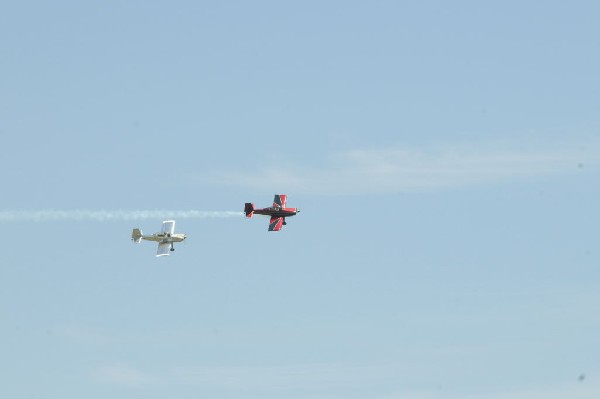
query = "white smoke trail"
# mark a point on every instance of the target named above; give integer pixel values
(106, 216)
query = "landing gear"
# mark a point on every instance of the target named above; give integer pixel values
(172, 248)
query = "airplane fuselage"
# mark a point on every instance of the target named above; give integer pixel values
(276, 212)
(165, 238)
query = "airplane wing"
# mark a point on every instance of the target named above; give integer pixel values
(276, 223)
(163, 249)
(168, 227)
(280, 200)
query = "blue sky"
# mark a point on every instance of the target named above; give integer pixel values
(445, 158)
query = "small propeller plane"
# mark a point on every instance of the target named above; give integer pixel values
(165, 238)
(278, 212)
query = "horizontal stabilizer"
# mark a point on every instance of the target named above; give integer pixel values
(249, 209)
(136, 236)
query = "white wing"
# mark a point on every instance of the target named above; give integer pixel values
(168, 227)
(163, 249)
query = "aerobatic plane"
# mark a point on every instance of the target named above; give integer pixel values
(278, 212)
(165, 238)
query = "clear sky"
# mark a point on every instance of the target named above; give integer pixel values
(445, 156)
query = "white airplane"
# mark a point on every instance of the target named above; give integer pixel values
(165, 238)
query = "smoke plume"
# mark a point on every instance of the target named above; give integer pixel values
(106, 216)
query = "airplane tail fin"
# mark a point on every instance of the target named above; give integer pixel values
(136, 236)
(249, 209)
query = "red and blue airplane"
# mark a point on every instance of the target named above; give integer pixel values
(278, 212)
